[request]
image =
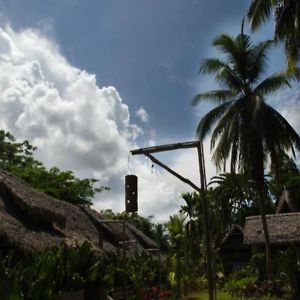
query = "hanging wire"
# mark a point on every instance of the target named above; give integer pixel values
(130, 164)
(150, 165)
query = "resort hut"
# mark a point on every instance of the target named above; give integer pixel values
(283, 230)
(284, 226)
(233, 251)
(286, 203)
(33, 221)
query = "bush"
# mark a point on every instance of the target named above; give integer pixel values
(240, 283)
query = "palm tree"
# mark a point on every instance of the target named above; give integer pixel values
(193, 241)
(246, 129)
(287, 19)
(234, 198)
(176, 230)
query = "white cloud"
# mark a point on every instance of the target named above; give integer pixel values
(59, 108)
(76, 124)
(142, 114)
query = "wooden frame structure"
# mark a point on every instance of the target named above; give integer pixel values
(202, 191)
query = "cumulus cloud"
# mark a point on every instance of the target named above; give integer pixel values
(78, 125)
(142, 114)
(60, 109)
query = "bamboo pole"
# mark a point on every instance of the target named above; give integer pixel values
(203, 196)
(185, 180)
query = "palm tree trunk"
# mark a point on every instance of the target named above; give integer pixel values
(266, 233)
(258, 173)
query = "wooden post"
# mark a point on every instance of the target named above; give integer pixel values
(202, 190)
(203, 196)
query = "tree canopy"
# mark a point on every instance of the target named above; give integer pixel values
(287, 16)
(17, 158)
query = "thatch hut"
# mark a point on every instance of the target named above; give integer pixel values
(286, 204)
(284, 226)
(30, 220)
(233, 251)
(283, 229)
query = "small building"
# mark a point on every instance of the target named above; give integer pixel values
(233, 251)
(33, 221)
(286, 204)
(283, 229)
(284, 226)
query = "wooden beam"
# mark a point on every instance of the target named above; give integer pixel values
(185, 180)
(203, 194)
(167, 147)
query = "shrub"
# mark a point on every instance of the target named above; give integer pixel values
(240, 283)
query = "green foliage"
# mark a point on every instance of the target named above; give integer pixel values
(41, 275)
(285, 176)
(66, 269)
(141, 271)
(289, 268)
(286, 15)
(17, 158)
(238, 284)
(233, 197)
(10, 277)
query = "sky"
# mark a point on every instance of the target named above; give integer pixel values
(87, 81)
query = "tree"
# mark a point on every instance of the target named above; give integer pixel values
(17, 158)
(177, 236)
(287, 177)
(287, 30)
(233, 196)
(245, 128)
(192, 231)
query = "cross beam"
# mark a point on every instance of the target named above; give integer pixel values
(166, 147)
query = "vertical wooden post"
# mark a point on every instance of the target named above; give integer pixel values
(201, 190)
(206, 222)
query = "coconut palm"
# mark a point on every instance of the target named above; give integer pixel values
(246, 129)
(287, 24)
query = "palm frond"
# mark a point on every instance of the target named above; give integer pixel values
(292, 56)
(227, 77)
(272, 84)
(218, 96)
(278, 130)
(210, 118)
(225, 129)
(226, 44)
(259, 11)
(257, 60)
(226, 120)
(212, 66)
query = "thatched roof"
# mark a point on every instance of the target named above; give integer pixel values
(233, 239)
(286, 203)
(30, 220)
(283, 229)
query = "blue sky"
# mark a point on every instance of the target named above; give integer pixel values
(149, 51)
